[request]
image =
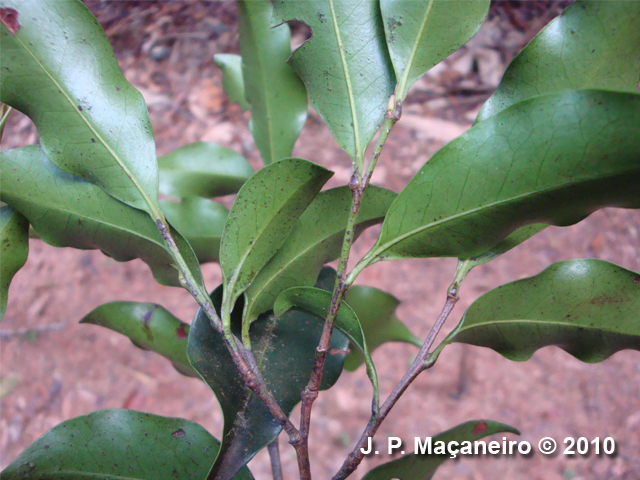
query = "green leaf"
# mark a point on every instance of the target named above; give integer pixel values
(317, 301)
(201, 222)
(59, 69)
(248, 425)
(376, 311)
(202, 169)
(552, 159)
(119, 444)
(150, 327)
(589, 308)
(592, 45)
(315, 240)
(348, 75)
(67, 211)
(277, 96)
(424, 466)
(264, 213)
(232, 80)
(14, 248)
(511, 241)
(422, 33)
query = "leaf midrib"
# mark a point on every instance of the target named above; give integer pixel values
(93, 130)
(352, 103)
(414, 49)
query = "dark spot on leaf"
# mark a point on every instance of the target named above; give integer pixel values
(480, 427)
(606, 299)
(117, 89)
(181, 332)
(636, 280)
(80, 107)
(178, 433)
(93, 140)
(9, 18)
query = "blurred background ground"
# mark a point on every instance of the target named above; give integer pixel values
(53, 369)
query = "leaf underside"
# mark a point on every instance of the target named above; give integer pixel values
(552, 159)
(588, 308)
(277, 96)
(263, 214)
(315, 240)
(349, 77)
(422, 33)
(91, 122)
(67, 211)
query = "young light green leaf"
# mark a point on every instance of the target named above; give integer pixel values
(248, 424)
(67, 211)
(14, 248)
(591, 45)
(201, 222)
(232, 80)
(276, 94)
(59, 69)
(376, 311)
(424, 466)
(589, 308)
(150, 327)
(422, 33)
(203, 169)
(315, 240)
(349, 76)
(317, 301)
(264, 213)
(552, 159)
(119, 444)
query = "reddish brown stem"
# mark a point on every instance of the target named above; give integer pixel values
(422, 362)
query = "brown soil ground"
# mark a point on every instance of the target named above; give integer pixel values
(60, 369)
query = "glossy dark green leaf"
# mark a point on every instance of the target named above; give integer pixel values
(349, 76)
(119, 444)
(317, 301)
(202, 169)
(285, 350)
(58, 68)
(552, 159)
(424, 466)
(67, 211)
(265, 211)
(422, 33)
(315, 240)
(376, 311)
(593, 44)
(201, 222)
(276, 94)
(589, 308)
(14, 248)
(150, 327)
(232, 80)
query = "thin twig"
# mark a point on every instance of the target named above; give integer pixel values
(423, 361)
(358, 184)
(242, 358)
(274, 455)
